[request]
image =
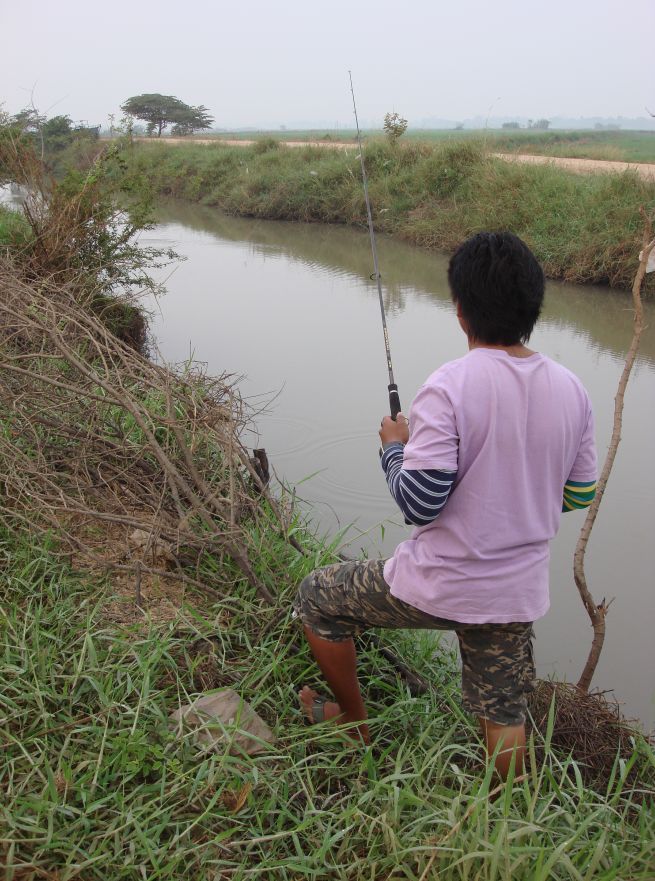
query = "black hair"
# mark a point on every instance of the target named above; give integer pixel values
(499, 286)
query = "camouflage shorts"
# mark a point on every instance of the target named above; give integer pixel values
(339, 601)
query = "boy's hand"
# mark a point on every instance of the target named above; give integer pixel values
(391, 431)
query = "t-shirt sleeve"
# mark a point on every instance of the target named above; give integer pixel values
(585, 466)
(433, 439)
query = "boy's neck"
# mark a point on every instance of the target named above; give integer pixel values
(516, 351)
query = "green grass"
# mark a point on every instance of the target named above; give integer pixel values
(583, 228)
(95, 786)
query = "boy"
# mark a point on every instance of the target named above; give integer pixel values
(498, 443)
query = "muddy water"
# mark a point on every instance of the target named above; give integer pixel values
(291, 309)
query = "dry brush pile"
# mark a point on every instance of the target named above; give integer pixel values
(130, 466)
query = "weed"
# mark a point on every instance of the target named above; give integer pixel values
(265, 145)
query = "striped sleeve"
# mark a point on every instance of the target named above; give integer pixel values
(578, 494)
(420, 495)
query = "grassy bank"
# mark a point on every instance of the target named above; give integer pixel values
(583, 229)
(96, 786)
(79, 227)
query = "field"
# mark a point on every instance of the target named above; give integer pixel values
(626, 146)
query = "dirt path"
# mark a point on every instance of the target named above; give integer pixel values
(581, 166)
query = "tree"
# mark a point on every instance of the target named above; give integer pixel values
(57, 133)
(160, 111)
(191, 120)
(394, 126)
(513, 125)
(28, 121)
(539, 123)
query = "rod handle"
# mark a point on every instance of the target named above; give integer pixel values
(394, 400)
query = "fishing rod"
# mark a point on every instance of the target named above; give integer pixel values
(394, 399)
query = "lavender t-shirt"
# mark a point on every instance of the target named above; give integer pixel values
(515, 430)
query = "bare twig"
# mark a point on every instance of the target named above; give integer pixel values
(137, 584)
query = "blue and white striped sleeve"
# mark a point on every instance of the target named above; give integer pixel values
(420, 495)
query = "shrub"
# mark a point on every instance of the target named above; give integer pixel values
(265, 145)
(448, 167)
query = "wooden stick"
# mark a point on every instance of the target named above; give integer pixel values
(137, 584)
(598, 612)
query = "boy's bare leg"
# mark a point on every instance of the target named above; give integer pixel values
(338, 663)
(512, 742)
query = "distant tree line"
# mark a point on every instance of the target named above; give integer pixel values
(538, 124)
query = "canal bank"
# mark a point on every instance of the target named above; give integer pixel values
(584, 229)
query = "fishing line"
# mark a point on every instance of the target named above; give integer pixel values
(394, 399)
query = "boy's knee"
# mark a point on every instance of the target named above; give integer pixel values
(318, 606)
(306, 606)
(302, 595)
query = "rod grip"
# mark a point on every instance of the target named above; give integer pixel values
(394, 400)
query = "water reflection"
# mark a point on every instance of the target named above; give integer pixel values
(597, 314)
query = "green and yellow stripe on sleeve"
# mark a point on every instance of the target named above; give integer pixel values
(578, 495)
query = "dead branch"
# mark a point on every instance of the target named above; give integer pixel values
(598, 611)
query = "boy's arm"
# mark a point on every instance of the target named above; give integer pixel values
(420, 494)
(421, 465)
(578, 494)
(580, 488)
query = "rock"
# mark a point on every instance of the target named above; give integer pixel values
(154, 549)
(221, 721)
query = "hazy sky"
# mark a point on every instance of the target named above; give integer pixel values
(286, 62)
